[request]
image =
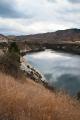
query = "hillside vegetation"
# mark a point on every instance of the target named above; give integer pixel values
(31, 101)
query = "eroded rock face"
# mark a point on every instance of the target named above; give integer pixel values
(3, 39)
(30, 71)
(1, 52)
(3, 44)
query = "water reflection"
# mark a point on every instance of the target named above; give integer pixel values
(69, 82)
(60, 69)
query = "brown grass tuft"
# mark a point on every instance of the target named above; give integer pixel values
(31, 101)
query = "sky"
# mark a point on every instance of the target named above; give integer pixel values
(19, 17)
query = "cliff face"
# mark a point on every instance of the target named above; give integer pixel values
(3, 44)
(3, 39)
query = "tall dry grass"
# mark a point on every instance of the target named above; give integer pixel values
(31, 101)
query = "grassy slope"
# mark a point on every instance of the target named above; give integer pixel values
(31, 101)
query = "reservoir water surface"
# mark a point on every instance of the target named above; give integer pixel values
(61, 70)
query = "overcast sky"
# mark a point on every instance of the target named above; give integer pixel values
(38, 16)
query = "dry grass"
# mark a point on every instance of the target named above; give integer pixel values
(31, 101)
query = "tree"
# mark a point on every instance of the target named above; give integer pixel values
(14, 51)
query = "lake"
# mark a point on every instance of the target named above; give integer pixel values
(61, 70)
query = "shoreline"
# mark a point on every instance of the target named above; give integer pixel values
(34, 74)
(57, 50)
(29, 69)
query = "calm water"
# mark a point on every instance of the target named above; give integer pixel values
(60, 69)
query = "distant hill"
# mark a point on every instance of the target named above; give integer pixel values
(69, 35)
(64, 40)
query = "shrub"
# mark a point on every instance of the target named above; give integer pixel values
(13, 48)
(78, 96)
(10, 61)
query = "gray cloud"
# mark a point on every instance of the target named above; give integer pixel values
(51, 0)
(36, 16)
(74, 1)
(7, 10)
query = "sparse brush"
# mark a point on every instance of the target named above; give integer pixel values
(32, 101)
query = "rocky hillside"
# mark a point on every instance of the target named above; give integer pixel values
(3, 39)
(62, 40)
(3, 43)
(69, 35)
(65, 40)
